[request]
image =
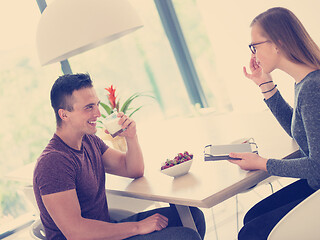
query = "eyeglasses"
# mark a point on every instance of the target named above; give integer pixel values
(252, 46)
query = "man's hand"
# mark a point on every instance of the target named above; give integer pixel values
(128, 124)
(249, 161)
(153, 223)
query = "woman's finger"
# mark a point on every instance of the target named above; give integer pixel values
(246, 74)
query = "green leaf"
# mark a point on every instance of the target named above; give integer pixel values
(135, 111)
(117, 106)
(106, 107)
(127, 103)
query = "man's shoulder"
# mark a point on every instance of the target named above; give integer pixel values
(54, 152)
(51, 157)
(55, 147)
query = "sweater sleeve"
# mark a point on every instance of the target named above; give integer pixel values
(281, 110)
(307, 167)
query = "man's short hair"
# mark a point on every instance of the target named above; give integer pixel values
(63, 88)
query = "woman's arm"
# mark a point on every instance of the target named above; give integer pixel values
(307, 134)
(281, 110)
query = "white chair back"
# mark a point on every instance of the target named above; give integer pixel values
(301, 222)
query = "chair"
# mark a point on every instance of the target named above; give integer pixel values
(301, 222)
(37, 230)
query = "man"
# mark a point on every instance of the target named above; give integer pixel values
(69, 177)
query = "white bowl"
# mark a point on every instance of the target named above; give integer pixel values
(178, 170)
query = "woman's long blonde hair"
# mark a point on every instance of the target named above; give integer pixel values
(283, 28)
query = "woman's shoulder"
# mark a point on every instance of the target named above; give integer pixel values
(311, 83)
(313, 78)
(308, 90)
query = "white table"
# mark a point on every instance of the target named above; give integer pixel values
(207, 183)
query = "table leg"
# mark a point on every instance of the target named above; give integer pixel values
(186, 217)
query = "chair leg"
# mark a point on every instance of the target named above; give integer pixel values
(237, 203)
(214, 224)
(237, 213)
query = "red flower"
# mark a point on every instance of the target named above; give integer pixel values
(114, 102)
(112, 96)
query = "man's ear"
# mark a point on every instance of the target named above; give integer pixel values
(63, 114)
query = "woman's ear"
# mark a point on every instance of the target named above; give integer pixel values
(278, 46)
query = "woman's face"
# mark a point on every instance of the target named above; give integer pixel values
(267, 55)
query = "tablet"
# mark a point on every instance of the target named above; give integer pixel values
(221, 152)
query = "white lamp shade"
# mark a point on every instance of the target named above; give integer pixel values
(70, 27)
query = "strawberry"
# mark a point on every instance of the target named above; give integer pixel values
(179, 158)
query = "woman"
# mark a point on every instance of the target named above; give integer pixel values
(279, 41)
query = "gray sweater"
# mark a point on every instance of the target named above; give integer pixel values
(303, 124)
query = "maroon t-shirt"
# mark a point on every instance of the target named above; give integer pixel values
(61, 168)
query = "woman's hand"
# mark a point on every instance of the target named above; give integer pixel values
(249, 161)
(257, 75)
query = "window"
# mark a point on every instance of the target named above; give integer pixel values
(27, 120)
(202, 53)
(139, 62)
(218, 34)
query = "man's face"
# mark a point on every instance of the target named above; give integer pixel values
(83, 117)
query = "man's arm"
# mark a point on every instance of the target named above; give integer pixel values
(129, 164)
(65, 211)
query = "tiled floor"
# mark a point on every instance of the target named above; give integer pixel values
(221, 219)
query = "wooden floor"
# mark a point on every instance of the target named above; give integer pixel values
(222, 219)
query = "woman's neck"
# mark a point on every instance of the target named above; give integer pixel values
(297, 71)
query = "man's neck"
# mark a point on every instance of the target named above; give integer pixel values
(73, 140)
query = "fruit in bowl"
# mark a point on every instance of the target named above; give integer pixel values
(178, 166)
